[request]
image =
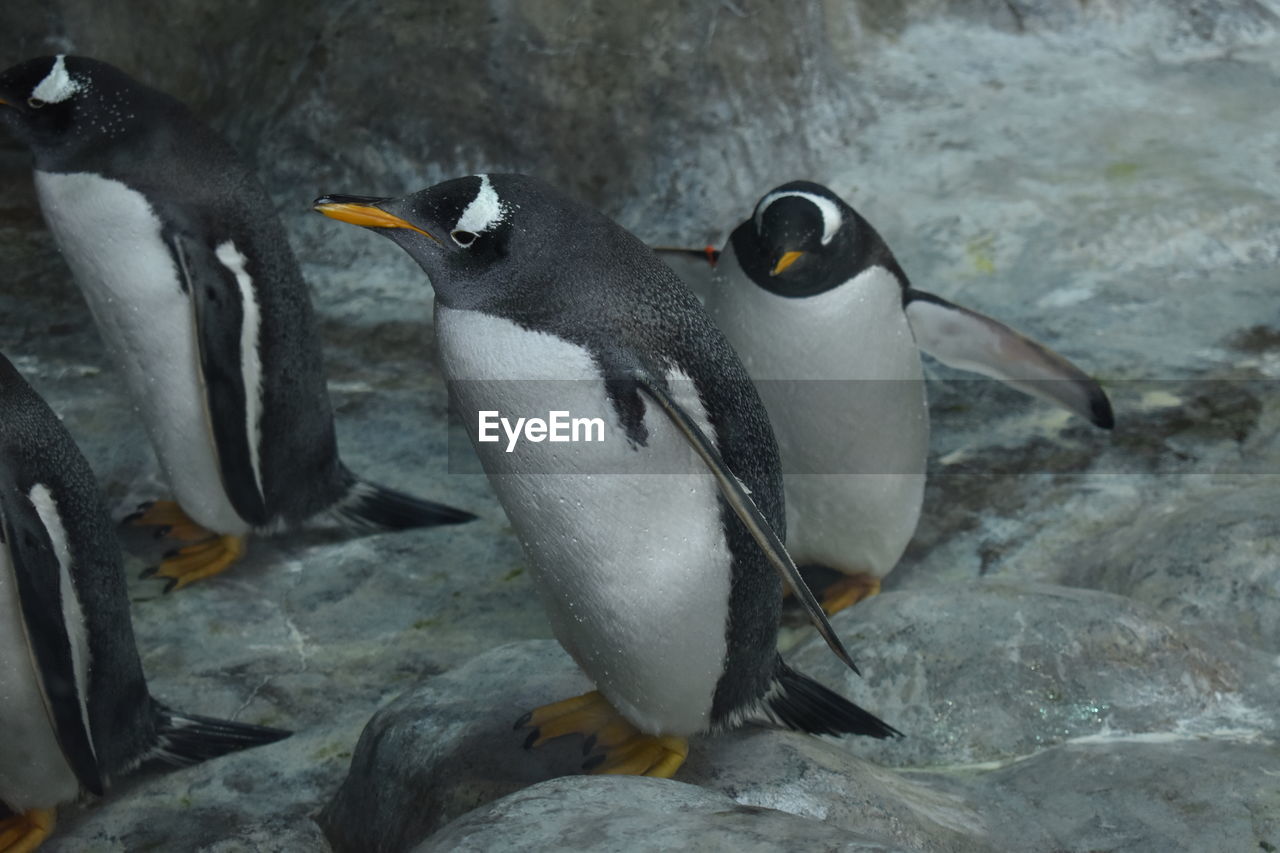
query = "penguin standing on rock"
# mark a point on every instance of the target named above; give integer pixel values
(656, 548)
(829, 327)
(189, 276)
(76, 712)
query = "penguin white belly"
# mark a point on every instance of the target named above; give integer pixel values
(626, 543)
(33, 771)
(112, 241)
(840, 376)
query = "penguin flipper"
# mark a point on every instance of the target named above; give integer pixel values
(967, 340)
(737, 496)
(222, 303)
(40, 580)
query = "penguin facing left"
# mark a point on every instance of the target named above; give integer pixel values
(829, 326)
(76, 712)
(188, 273)
(656, 550)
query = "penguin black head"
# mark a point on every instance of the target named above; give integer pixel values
(462, 232)
(802, 239)
(56, 103)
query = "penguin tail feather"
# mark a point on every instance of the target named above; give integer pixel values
(798, 702)
(368, 506)
(189, 739)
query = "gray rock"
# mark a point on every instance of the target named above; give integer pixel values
(629, 813)
(447, 747)
(995, 670)
(1145, 794)
(1207, 558)
(440, 767)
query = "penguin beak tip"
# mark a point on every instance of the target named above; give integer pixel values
(365, 212)
(787, 259)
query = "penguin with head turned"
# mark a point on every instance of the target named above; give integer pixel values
(829, 326)
(76, 712)
(657, 549)
(188, 273)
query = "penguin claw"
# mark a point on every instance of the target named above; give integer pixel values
(25, 832)
(201, 560)
(848, 591)
(644, 755)
(169, 520)
(622, 748)
(149, 571)
(523, 721)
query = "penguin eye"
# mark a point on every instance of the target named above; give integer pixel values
(35, 103)
(463, 238)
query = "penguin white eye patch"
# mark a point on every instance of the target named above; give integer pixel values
(831, 218)
(57, 86)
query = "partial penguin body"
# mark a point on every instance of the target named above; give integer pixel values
(653, 577)
(828, 325)
(625, 546)
(189, 276)
(77, 712)
(112, 239)
(840, 375)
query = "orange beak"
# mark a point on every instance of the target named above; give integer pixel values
(785, 261)
(366, 216)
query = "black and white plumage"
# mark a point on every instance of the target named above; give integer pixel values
(828, 325)
(188, 273)
(655, 550)
(76, 711)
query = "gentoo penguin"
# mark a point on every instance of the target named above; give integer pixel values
(75, 710)
(188, 273)
(651, 540)
(829, 327)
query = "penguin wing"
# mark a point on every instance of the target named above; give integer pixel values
(223, 308)
(740, 500)
(42, 584)
(967, 340)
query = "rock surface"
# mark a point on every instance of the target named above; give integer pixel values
(1101, 175)
(629, 813)
(446, 747)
